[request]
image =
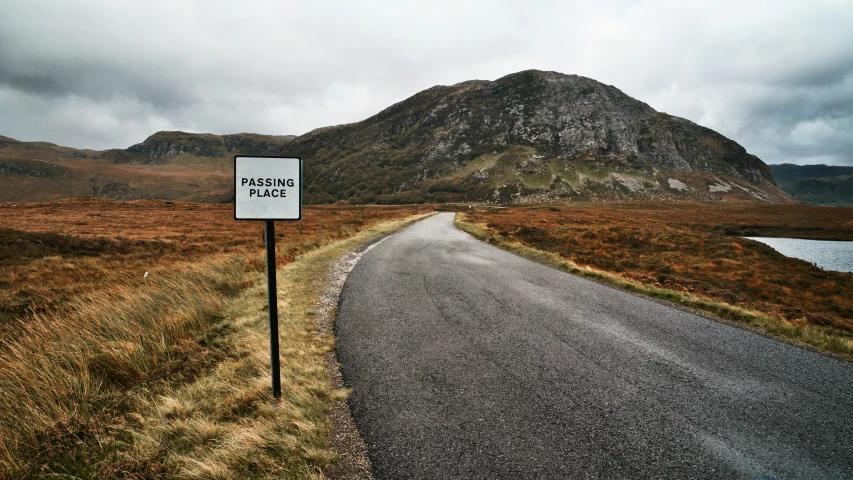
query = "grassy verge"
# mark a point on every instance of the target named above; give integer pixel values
(65, 377)
(170, 378)
(821, 338)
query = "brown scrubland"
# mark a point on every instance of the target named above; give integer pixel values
(53, 252)
(697, 250)
(107, 373)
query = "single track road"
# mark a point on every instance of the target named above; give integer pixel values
(470, 362)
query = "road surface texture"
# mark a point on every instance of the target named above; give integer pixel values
(470, 362)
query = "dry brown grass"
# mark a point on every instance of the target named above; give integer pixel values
(68, 374)
(695, 250)
(105, 374)
(53, 252)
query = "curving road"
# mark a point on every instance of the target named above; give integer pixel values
(470, 362)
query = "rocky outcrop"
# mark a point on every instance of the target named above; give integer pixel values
(162, 146)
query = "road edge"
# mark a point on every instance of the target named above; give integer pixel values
(353, 461)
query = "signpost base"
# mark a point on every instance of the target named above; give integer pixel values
(273, 302)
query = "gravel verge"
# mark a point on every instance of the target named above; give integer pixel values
(353, 462)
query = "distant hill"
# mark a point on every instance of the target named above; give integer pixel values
(816, 184)
(167, 165)
(528, 137)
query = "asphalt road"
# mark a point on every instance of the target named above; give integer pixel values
(470, 362)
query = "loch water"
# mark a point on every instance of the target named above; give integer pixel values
(829, 255)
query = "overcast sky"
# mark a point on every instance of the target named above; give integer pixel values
(775, 76)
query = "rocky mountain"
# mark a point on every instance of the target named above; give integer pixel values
(167, 165)
(816, 184)
(528, 137)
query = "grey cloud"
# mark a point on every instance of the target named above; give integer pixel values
(827, 75)
(90, 79)
(774, 76)
(798, 124)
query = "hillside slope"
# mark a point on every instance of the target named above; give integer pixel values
(816, 184)
(527, 137)
(167, 165)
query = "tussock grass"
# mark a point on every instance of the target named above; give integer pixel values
(225, 425)
(169, 378)
(822, 338)
(52, 253)
(63, 376)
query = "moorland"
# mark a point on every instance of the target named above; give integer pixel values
(694, 254)
(134, 342)
(123, 374)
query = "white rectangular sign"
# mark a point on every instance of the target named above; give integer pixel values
(267, 188)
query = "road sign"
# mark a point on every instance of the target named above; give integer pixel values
(267, 188)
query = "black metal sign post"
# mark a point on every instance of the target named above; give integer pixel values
(269, 189)
(272, 297)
